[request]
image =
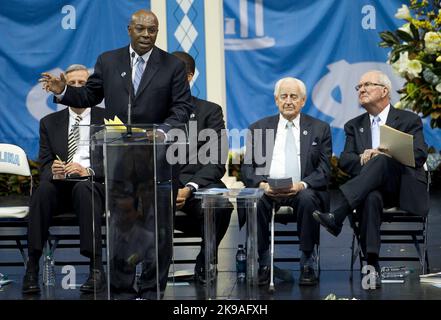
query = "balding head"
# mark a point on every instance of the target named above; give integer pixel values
(143, 30)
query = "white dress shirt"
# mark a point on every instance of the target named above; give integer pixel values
(382, 115)
(145, 57)
(277, 169)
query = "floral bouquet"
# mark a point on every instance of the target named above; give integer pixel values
(416, 56)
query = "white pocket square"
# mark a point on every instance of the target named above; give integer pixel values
(314, 143)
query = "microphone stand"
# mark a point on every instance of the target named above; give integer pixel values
(129, 105)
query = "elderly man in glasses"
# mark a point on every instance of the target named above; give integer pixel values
(378, 180)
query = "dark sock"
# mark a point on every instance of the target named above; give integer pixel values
(372, 260)
(33, 261)
(342, 211)
(96, 263)
(306, 258)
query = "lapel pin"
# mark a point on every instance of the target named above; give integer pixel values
(305, 132)
(361, 130)
(123, 74)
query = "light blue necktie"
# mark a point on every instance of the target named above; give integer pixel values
(375, 132)
(291, 155)
(138, 74)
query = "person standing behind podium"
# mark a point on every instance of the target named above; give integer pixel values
(300, 148)
(155, 83)
(61, 155)
(377, 179)
(194, 174)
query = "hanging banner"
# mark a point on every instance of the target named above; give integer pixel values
(327, 44)
(50, 35)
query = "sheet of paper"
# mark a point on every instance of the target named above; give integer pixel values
(398, 144)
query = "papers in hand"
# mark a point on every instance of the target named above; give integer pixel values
(280, 183)
(117, 125)
(398, 144)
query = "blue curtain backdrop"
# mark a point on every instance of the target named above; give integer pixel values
(326, 43)
(49, 35)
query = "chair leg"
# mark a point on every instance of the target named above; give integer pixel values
(22, 252)
(271, 288)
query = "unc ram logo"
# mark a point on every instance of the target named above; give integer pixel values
(335, 96)
(37, 99)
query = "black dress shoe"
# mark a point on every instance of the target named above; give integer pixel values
(328, 221)
(307, 276)
(30, 282)
(264, 275)
(96, 282)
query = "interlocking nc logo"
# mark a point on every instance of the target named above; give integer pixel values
(245, 42)
(368, 281)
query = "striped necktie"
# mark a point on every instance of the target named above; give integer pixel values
(138, 73)
(74, 137)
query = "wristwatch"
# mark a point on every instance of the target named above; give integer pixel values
(192, 188)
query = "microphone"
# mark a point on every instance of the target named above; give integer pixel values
(129, 105)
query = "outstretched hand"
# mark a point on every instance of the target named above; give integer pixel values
(52, 83)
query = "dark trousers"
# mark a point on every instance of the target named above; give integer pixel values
(377, 186)
(304, 203)
(195, 213)
(56, 197)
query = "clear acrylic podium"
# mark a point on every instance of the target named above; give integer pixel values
(246, 198)
(137, 173)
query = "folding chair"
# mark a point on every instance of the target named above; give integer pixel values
(14, 210)
(404, 228)
(285, 215)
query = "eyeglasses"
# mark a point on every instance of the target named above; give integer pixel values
(367, 85)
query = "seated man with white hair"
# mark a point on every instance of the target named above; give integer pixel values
(296, 146)
(378, 179)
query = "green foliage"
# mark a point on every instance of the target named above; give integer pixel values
(19, 185)
(416, 56)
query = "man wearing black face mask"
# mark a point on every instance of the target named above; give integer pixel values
(155, 83)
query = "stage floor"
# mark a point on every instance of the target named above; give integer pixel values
(335, 254)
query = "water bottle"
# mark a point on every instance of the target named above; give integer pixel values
(241, 263)
(49, 269)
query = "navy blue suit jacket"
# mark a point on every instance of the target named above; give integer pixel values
(413, 190)
(163, 95)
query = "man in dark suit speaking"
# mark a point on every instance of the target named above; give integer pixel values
(155, 80)
(378, 179)
(295, 145)
(141, 84)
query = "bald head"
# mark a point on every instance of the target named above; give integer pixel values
(143, 30)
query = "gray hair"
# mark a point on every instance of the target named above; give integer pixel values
(297, 81)
(76, 67)
(383, 79)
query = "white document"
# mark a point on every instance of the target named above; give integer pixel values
(398, 144)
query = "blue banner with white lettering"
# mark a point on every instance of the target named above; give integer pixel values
(328, 44)
(50, 35)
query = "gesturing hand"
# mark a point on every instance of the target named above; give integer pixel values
(52, 83)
